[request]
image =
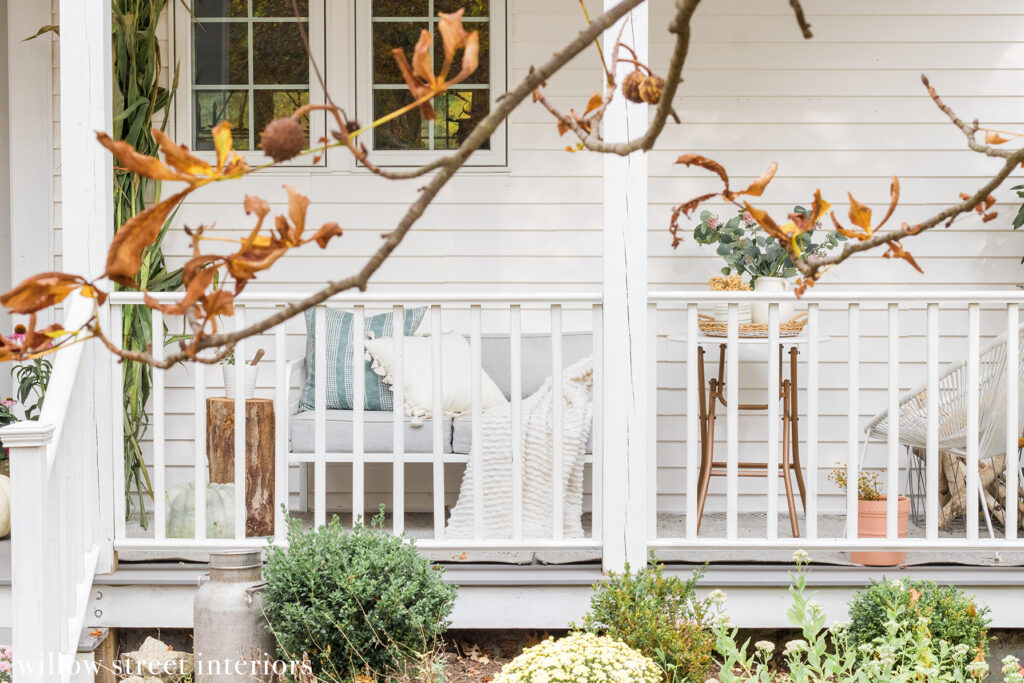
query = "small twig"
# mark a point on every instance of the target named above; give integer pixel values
(801, 18)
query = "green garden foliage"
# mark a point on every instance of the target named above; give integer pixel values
(659, 616)
(951, 614)
(357, 602)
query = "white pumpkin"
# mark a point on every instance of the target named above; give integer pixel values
(220, 511)
(5, 505)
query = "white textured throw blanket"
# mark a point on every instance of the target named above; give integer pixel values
(538, 462)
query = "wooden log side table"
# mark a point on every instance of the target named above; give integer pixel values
(259, 456)
(712, 392)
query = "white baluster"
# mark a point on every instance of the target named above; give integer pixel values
(240, 451)
(652, 421)
(358, 417)
(893, 464)
(159, 434)
(693, 390)
(932, 440)
(320, 416)
(281, 410)
(516, 370)
(1012, 406)
(732, 382)
(853, 435)
(813, 384)
(774, 370)
(558, 466)
(437, 421)
(973, 379)
(199, 470)
(476, 453)
(398, 416)
(597, 431)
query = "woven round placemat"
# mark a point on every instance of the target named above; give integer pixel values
(717, 328)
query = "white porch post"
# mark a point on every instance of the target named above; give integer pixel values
(86, 104)
(34, 615)
(624, 396)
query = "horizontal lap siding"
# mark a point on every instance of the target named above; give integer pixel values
(843, 113)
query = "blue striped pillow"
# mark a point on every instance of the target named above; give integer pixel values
(338, 373)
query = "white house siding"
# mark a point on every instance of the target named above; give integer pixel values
(843, 112)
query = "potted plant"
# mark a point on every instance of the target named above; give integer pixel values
(748, 249)
(252, 370)
(871, 516)
(730, 283)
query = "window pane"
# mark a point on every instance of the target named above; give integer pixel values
(214, 106)
(482, 75)
(388, 35)
(221, 53)
(278, 54)
(400, 8)
(274, 104)
(279, 8)
(458, 113)
(220, 8)
(408, 131)
(474, 8)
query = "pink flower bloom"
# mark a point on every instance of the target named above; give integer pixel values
(5, 666)
(16, 338)
(714, 223)
(10, 403)
(748, 219)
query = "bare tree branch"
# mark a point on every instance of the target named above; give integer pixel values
(801, 18)
(446, 168)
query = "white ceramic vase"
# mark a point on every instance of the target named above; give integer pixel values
(759, 309)
(251, 374)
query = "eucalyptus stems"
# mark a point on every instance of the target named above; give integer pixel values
(138, 99)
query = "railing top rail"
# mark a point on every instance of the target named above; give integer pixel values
(356, 298)
(842, 296)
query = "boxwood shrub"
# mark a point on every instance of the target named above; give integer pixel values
(359, 601)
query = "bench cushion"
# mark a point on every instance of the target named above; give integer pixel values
(377, 433)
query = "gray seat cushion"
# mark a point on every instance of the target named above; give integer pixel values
(495, 356)
(377, 433)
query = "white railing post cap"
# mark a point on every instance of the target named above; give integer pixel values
(26, 434)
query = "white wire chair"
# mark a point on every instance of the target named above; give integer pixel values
(952, 402)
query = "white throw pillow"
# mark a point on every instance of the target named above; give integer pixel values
(456, 380)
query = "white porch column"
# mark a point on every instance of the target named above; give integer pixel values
(625, 321)
(86, 104)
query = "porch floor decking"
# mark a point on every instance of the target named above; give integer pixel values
(670, 525)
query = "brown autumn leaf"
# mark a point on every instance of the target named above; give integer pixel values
(41, 291)
(705, 163)
(325, 233)
(141, 230)
(896, 250)
(806, 221)
(756, 188)
(994, 138)
(218, 303)
(419, 77)
(860, 215)
(139, 164)
(197, 275)
(595, 102)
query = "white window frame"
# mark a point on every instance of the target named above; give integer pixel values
(183, 100)
(497, 156)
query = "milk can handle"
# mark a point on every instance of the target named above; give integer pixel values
(203, 578)
(251, 590)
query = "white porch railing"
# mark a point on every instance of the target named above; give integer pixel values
(58, 530)
(954, 368)
(474, 316)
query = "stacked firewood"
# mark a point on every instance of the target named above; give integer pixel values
(954, 496)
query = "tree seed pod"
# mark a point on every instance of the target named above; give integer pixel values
(631, 86)
(651, 88)
(283, 139)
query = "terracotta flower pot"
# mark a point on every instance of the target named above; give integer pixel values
(871, 523)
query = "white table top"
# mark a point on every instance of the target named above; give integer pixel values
(797, 340)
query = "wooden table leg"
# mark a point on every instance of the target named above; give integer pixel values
(705, 482)
(794, 419)
(794, 524)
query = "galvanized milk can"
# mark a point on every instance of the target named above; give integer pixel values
(231, 640)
